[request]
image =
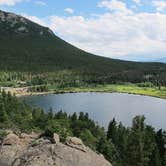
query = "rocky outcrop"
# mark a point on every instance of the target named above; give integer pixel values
(11, 139)
(76, 143)
(13, 146)
(41, 152)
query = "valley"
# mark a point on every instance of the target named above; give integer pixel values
(52, 93)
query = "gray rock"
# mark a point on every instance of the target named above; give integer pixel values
(11, 139)
(44, 153)
(56, 138)
(40, 141)
(10, 152)
(60, 155)
(76, 143)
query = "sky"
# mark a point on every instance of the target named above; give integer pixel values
(121, 29)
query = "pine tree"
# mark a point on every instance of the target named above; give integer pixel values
(112, 130)
(141, 143)
(81, 116)
(74, 117)
(107, 148)
(161, 145)
(50, 114)
(121, 140)
(155, 158)
(3, 116)
(135, 153)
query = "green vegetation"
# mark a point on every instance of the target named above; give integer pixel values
(139, 145)
(3, 134)
(123, 88)
(64, 81)
(37, 59)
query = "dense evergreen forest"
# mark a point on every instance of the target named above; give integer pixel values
(65, 78)
(138, 145)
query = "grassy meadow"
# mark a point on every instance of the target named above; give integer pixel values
(124, 88)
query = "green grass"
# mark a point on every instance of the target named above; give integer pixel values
(125, 88)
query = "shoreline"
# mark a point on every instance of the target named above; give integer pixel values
(103, 89)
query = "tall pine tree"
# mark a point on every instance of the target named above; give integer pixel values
(3, 116)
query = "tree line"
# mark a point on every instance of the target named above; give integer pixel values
(71, 78)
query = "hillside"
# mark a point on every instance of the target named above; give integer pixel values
(162, 60)
(27, 46)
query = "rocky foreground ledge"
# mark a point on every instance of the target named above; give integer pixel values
(31, 150)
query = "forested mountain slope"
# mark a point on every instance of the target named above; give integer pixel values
(27, 46)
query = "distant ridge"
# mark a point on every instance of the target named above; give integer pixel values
(162, 60)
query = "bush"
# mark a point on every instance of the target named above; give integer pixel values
(58, 126)
(88, 138)
(146, 84)
(3, 134)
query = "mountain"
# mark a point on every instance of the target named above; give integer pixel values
(162, 60)
(29, 47)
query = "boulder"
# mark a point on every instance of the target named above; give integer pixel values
(56, 138)
(9, 131)
(28, 138)
(76, 143)
(11, 139)
(40, 141)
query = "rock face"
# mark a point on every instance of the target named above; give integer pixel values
(44, 153)
(20, 25)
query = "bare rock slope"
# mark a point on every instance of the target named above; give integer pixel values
(31, 151)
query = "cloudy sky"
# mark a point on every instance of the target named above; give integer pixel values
(125, 29)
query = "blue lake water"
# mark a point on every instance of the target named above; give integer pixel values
(102, 107)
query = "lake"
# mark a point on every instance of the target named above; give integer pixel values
(102, 107)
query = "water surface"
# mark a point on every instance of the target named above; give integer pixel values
(102, 107)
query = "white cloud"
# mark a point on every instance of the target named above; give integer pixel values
(40, 3)
(69, 10)
(114, 34)
(160, 5)
(9, 2)
(115, 5)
